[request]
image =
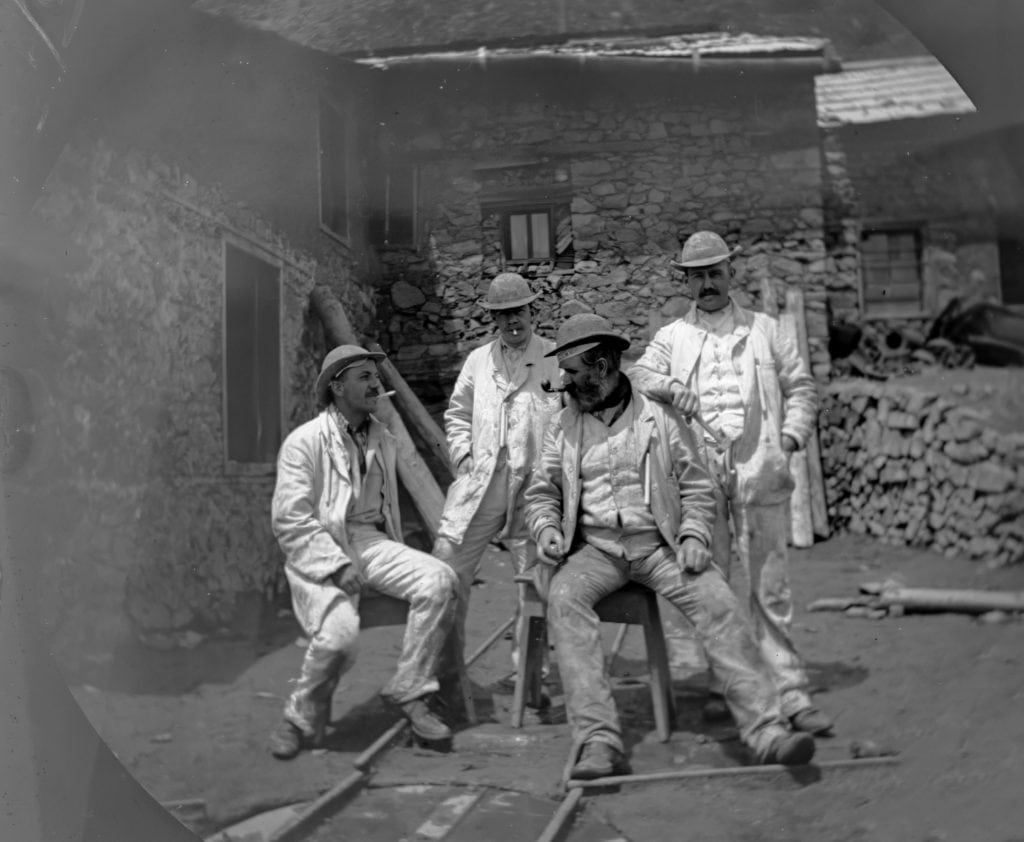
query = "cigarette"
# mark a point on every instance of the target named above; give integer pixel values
(387, 394)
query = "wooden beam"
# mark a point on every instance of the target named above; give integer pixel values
(415, 414)
(801, 525)
(942, 599)
(413, 472)
(815, 477)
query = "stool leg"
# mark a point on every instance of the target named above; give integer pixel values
(533, 637)
(661, 679)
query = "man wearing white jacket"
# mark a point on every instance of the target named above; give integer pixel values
(620, 494)
(335, 514)
(734, 369)
(495, 423)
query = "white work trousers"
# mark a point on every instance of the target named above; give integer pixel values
(762, 581)
(708, 603)
(465, 557)
(392, 568)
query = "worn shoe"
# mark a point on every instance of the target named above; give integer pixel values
(425, 723)
(286, 741)
(811, 721)
(599, 760)
(789, 749)
(716, 710)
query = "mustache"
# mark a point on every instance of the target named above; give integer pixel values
(708, 291)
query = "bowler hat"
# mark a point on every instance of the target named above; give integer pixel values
(508, 291)
(704, 248)
(342, 357)
(582, 332)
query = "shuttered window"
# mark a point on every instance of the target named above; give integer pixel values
(891, 266)
(252, 358)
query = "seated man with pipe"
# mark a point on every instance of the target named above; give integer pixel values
(335, 514)
(620, 495)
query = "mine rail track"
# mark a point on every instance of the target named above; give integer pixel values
(445, 811)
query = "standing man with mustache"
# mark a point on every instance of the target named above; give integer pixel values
(749, 383)
(495, 425)
(335, 514)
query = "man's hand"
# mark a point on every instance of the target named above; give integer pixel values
(789, 444)
(549, 547)
(685, 400)
(693, 556)
(465, 466)
(349, 579)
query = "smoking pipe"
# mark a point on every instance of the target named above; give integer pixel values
(551, 390)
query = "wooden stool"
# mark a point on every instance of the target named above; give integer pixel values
(378, 609)
(633, 603)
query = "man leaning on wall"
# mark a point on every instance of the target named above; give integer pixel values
(732, 368)
(495, 424)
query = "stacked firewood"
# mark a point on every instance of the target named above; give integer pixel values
(884, 351)
(912, 467)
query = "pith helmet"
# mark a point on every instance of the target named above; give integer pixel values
(582, 332)
(705, 248)
(342, 357)
(508, 291)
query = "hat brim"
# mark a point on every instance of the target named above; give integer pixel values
(613, 339)
(323, 381)
(705, 261)
(509, 305)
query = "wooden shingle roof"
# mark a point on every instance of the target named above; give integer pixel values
(886, 90)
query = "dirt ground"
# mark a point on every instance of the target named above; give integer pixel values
(944, 690)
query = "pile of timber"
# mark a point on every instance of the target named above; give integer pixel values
(912, 467)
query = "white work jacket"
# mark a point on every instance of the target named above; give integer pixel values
(488, 412)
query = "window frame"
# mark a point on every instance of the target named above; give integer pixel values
(345, 116)
(234, 467)
(900, 308)
(505, 208)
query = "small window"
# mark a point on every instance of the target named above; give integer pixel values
(337, 171)
(393, 210)
(891, 263)
(537, 234)
(252, 358)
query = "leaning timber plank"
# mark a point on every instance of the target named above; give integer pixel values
(426, 494)
(942, 599)
(816, 479)
(412, 470)
(729, 772)
(800, 519)
(414, 413)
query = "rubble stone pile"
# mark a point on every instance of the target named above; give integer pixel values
(911, 465)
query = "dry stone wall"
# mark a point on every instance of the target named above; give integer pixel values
(920, 466)
(150, 531)
(637, 173)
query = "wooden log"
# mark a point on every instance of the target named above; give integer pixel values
(415, 414)
(730, 772)
(815, 479)
(413, 472)
(943, 599)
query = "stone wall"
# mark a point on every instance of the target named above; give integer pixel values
(928, 465)
(949, 192)
(639, 165)
(145, 528)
